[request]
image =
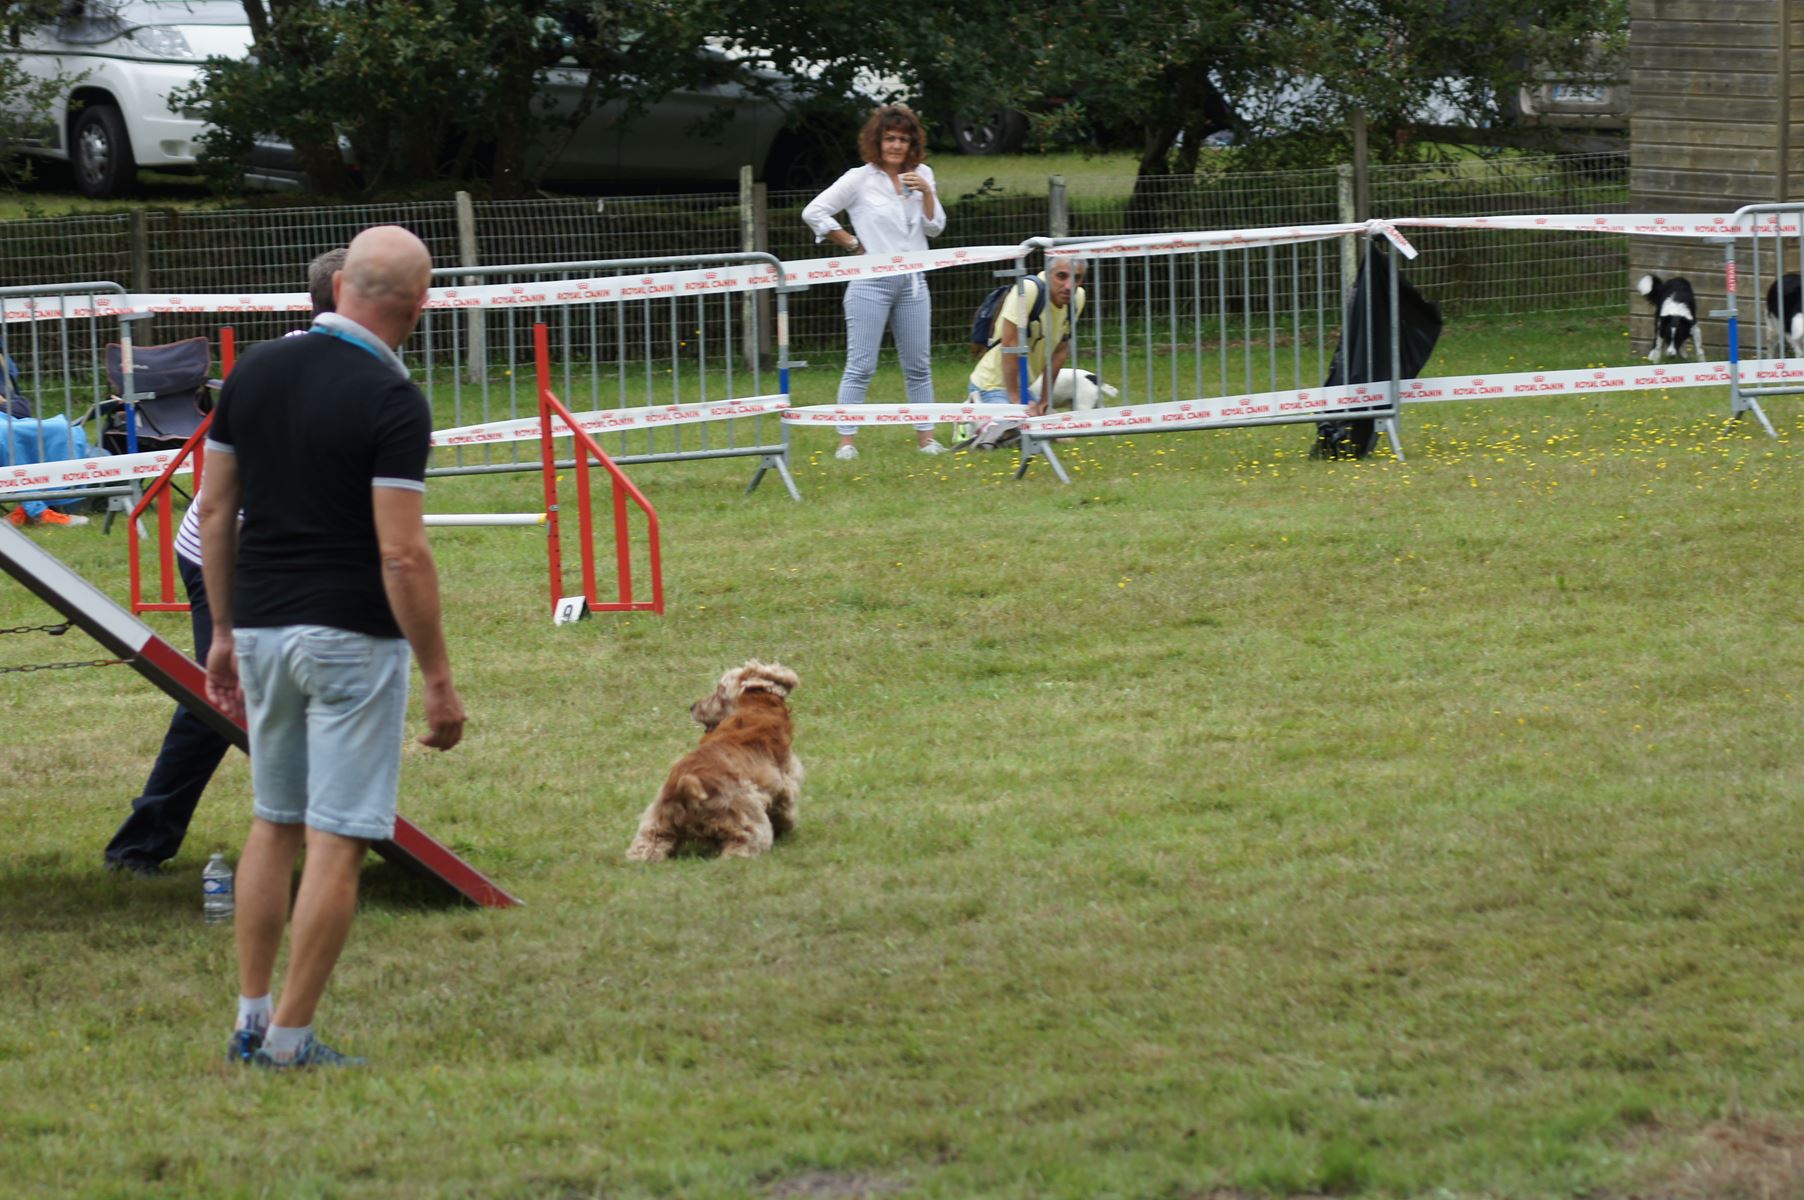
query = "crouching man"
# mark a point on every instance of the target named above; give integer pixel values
(1044, 307)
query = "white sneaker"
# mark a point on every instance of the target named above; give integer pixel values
(846, 453)
(932, 448)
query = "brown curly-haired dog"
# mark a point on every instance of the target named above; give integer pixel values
(737, 791)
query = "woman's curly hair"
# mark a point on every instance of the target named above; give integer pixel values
(884, 118)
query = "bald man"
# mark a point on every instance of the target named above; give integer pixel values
(321, 441)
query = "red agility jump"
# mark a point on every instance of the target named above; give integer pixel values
(586, 449)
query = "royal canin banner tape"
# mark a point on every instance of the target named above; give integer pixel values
(1257, 408)
(741, 277)
(612, 289)
(610, 421)
(898, 414)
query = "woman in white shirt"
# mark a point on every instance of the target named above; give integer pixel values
(893, 209)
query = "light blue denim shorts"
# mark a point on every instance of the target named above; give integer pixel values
(327, 709)
(977, 395)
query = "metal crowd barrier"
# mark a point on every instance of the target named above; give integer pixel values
(1219, 336)
(688, 344)
(59, 354)
(1753, 266)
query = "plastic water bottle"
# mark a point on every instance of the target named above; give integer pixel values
(216, 890)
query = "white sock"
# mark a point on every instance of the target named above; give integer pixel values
(283, 1042)
(253, 1013)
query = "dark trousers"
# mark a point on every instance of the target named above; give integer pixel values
(191, 753)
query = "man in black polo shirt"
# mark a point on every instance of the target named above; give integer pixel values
(321, 441)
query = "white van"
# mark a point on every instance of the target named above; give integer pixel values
(120, 60)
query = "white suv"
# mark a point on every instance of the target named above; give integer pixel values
(120, 60)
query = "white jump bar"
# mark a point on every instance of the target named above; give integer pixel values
(537, 518)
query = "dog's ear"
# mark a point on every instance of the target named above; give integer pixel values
(770, 677)
(717, 705)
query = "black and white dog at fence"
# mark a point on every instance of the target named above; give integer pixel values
(1080, 391)
(1785, 309)
(1675, 308)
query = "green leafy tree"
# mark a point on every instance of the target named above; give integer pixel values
(451, 88)
(1285, 75)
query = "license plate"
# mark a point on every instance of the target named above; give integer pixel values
(1578, 93)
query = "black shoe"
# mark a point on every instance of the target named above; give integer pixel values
(143, 868)
(244, 1044)
(313, 1053)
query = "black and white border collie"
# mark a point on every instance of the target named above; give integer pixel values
(1785, 309)
(1675, 316)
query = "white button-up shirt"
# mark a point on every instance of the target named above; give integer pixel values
(885, 221)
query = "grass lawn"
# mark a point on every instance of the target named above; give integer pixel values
(1226, 824)
(52, 193)
(959, 174)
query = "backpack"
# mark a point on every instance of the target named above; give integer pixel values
(983, 324)
(13, 402)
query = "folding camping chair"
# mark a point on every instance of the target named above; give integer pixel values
(170, 396)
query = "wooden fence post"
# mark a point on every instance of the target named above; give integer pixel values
(1349, 243)
(139, 242)
(754, 234)
(476, 352)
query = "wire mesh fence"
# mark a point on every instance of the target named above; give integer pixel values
(268, 249)
(1511, 271)
(66, 249)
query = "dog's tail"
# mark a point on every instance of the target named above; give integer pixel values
(1647, 285)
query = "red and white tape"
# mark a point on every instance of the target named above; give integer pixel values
(1649, 224)
(742, 277)
(897, 414)
(78, 472)
(612, 289)
(1223, 411)
(1311, 403)
(127, 468)
(610, 421)
(1231, 239)
(1592, 380)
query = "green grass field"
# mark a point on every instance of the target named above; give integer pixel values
(1226, 824)
(51, 193)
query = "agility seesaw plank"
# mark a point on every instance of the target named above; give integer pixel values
(130, 639)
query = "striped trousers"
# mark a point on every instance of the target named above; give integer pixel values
(902, 304)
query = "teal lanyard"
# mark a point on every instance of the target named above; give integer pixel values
(352, 338)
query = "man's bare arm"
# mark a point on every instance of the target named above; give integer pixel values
(220, 493)
(410, 578)
(1009, 337)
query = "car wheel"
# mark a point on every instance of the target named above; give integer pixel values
(101, 153)
(997, 131)
(802, 158)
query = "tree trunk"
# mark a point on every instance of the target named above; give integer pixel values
(511, 117)
(327, 171)
(1143, 207)
(513, 114)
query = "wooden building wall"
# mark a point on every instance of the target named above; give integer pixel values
(1706, 78)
